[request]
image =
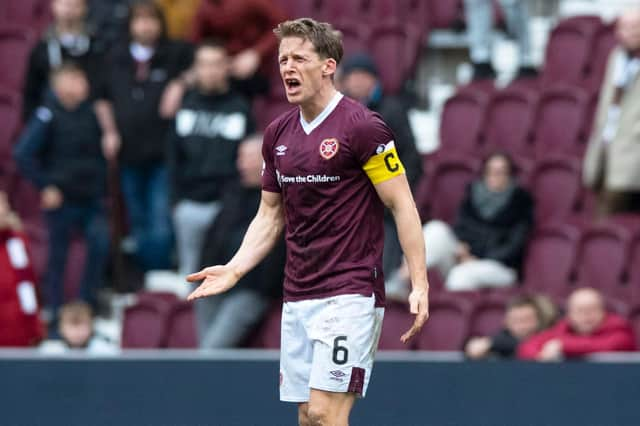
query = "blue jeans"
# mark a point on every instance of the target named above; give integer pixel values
(145, 191)
(90, 219)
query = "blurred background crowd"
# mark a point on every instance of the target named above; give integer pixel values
(130, 152)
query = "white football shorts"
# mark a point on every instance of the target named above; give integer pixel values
(328, 344)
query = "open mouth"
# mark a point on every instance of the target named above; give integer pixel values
(292, 83)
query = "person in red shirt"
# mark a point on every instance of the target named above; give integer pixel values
(587, 329)
(19, 322)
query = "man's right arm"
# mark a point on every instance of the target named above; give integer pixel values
(261, 236)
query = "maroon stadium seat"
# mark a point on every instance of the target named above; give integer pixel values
(567, 53)
(355, 37)
(145, 324)
(633, 268)
(161, 297)
(10, 119)
(445, 13)
(418, 16)
(448, 185)
(299, 8)
(448, 324)
(181, 326)
(332, 10)
(15, 46)
(397, 320)
(509, 121)
(549, 260)
(634, 317)
(394, 48)
(601, 258)
(487, 317)
(560, 121)
(268, 335)
(463, 116)
(556, 188)
(33, 14)
(604, 41)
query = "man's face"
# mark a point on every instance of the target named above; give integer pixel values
(496, 174)
(585, 311)
(145, 28)
(76, 333)
(522, 321)
(211, 68)
(301, 69)
(359, 84)
(68, 10)
(628, 30)
(71, 88)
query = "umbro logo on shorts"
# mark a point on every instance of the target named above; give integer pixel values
(337, 373)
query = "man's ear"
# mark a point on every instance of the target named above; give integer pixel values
(329, 67)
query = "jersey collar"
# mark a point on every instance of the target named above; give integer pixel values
(308, 127)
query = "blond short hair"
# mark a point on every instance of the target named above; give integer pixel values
(326, 40)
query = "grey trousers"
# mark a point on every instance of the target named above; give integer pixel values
(479, 16)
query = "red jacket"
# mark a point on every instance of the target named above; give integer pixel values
(19, 321)
(615, 334)
(240, 24)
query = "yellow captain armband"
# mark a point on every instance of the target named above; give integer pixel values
(384, 164)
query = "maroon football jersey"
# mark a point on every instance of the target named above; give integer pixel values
(333, 215)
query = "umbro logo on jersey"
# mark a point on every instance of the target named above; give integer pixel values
(281, 150)
(329, 148)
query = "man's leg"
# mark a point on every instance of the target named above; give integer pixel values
(158, 237)
(441, 246)
(329, 408)
(479, 17)
(96, 235)
(476, 274)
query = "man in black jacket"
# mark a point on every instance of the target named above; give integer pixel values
(210, 123)
(59, 152)
(359, 80)
(136, 76)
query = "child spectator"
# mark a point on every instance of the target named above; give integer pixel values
(588, 328)
(211, 122)
(19, 322)
(59, 152)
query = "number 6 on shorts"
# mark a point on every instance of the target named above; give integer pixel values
(340, 353)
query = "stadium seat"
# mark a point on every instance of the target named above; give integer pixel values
(268, 334)
(145, 324)
(181, 326)
(332, 10)
(33, 14)
(448, 185)
(509, 121)
(15, 46)
(567, 53)
(463, 116)
(560, 122)
(10, 118)
(633, 268)
(395, 49)
(487, 317)
(161, 297)
(549, 260)
(396, 321)
(299, 8)
(556, 188)
(601, 258)
(634, 317)
(604, 40)
(448, 324)
(355, 37)
(417, 16)
(445, 13)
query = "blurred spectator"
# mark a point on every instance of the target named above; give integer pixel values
(180, 15)
(523, 318)
(211, 122)
(359, 80)
(487, 242)
(67, 39)
(137, 73)
(480, 20)
(59, 152)
(77, 332)
(224, 321)
(587, 329)
(19, 321)
(108, 21)
(246, 29)
(612, 162)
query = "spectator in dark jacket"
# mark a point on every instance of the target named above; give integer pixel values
(246, 29)
(67, 39)
(59, 152)
(358, 79)
(587, 329)
(137, 73)
(485, 246)
(523, 318)
(211, 122)
(226, 320)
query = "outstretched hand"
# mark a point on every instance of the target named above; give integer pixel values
(215, 280)
(419, 306)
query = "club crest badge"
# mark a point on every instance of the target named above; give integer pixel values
(329, 148)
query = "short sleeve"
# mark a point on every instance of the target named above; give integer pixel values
(374, 147)
(269, 175)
